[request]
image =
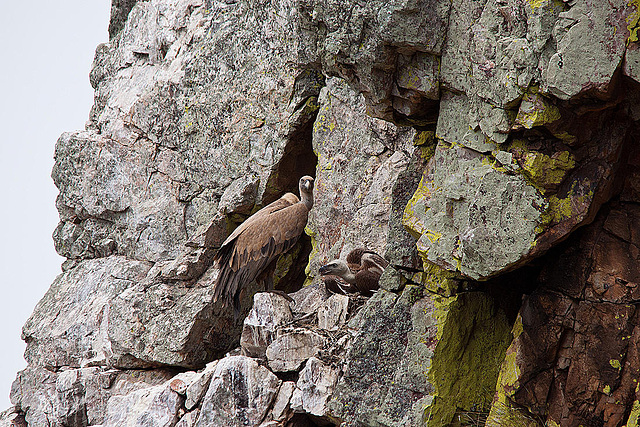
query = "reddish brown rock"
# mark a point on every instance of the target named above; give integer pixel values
(576, 357)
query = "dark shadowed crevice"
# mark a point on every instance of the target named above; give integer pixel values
(508, 289)
(297, 161)
(306, 420)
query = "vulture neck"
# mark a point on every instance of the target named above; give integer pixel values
(306, 198)
(349, 277)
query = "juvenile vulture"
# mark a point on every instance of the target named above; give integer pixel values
(359, 273)
(252, 250)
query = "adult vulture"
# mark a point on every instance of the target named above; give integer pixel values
(252, 250)
(359, 273)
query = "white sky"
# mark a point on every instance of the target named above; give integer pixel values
(46, 55)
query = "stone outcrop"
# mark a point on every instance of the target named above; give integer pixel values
(488, 149)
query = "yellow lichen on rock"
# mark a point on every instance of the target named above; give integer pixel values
(502, 412)
(436, 279)
(411, 216)
(633, 22)
(536, 110)
(545, 171)
(561, 208)
(634, 415)
(615, 363)
(314, 252)
(472, 337)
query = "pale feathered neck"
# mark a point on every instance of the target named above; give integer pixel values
(306, 196)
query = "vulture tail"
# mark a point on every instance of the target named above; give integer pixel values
(231, 279)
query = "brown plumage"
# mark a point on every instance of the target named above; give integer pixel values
(354, 258)
(359, 273)
(252, 250)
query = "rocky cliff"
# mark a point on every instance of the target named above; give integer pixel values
(487, 148)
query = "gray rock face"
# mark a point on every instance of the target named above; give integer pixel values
(309, 299)
(473, 218)
(333, 313)
(359, 160)
(69, 326)
(582, 64)
(106, 204)
(386, 50)
(373, 389)
(314, 388)
(12, 418)
(281, 404)
(189, 419)
(75, 396)
(199, 329)
(199, 386)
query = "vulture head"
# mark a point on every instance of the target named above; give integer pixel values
(339, 268)
(306, 190)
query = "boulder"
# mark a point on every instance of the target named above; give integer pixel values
(69, 326)
(269, 312)
(154, 406)
(314, 388)
(199, 386)
(75, 396)
(281, 405)
(292, 348)
(240, 393)
(333, 313)
(12, 418)
(189, 419)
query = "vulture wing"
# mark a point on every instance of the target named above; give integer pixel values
(377, 259)
(287, 200)
(337, 285)
(256, 243)
(354, 258)
(367, 281)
